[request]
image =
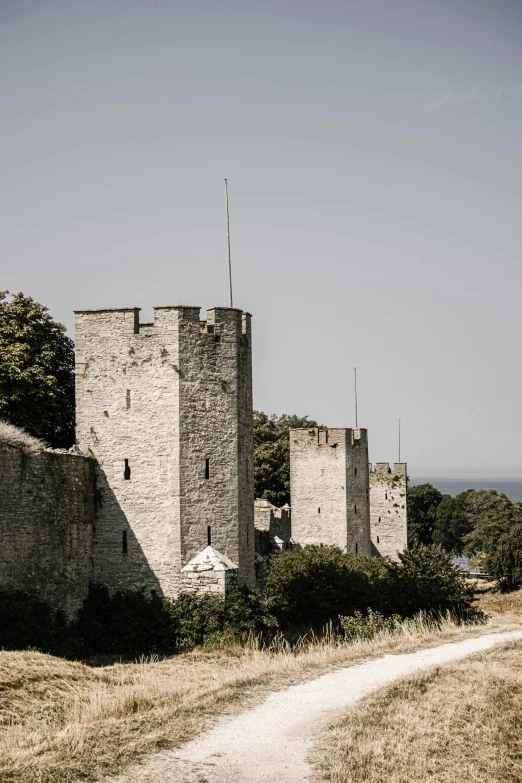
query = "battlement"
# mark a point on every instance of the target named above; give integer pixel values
(118, 321)
(383, 468)
(329, 436)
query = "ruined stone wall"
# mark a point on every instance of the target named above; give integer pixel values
(46, 525)
(276, 521)
(388, 509)
(164, 406)
(329, 488)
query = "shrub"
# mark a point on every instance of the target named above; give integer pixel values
(426, 580)
(504, 562)
(308, 587)
(360, 626)
(27, 621)
(126, 623)
(205, 619)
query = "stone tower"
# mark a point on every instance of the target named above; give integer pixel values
(166, 407)
(388, 509)
(329, 487)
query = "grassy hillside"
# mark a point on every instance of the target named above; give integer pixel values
(63, 722)
(454, 723)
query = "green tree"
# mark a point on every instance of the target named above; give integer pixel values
(36, 371)
(423, 502)
(490, 515)
(272, 454)
(308, 587)
(496, 532)
(504, 562)
(452, 524)
(425, 579)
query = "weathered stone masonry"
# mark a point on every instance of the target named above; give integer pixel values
(273, 527)
(388, 509)
(329, 485)
(46, 525)
(166, 407)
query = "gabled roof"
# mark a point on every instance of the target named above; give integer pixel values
(209, 559)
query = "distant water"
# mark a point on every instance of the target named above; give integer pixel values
(454, 486)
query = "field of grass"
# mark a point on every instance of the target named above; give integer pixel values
(63, 721)
(460, 722)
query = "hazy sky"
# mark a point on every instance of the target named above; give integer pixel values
(373, 151)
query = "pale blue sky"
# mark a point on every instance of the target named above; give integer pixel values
(373, 151)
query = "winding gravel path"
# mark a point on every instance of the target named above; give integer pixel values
(270, 743)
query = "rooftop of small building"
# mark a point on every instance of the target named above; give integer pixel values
(209, 559)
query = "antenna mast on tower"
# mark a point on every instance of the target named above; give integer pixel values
(355, 386)
(228, 243)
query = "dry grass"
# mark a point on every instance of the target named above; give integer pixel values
(460, 722)
(14, 436)
(63, 721)
(501, 605)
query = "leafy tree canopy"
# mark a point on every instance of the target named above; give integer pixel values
(36, 371)
(272, 454)
(496, 533)
(452, 524)
(423, 502)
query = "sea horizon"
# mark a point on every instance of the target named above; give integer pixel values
(453, 484)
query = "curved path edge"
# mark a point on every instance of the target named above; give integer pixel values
(270, 743)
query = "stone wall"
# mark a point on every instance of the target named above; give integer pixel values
(273, 526)
(166, 407)
(388, 509)
(46, 525)
(329, 486)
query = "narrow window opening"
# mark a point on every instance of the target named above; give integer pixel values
(127, 399)
(318, 510)
(127, 471)
(209, 536)
(386, 496)
(357, 549)
(355, 471)
(355, 509)
(377, 539)
(124, 542)
(207, 468)
(379, 519)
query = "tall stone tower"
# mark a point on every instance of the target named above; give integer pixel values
(329, 487)
(166, 407)
(388, 509)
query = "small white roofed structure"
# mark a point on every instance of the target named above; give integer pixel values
(209, 559)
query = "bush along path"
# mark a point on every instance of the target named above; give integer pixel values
(270, 743)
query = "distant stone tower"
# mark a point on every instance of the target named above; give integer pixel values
(166, 407)
(388, 509)
(329, 488)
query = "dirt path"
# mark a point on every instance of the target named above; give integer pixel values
(269, 744)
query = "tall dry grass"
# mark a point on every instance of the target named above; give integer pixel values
(15, 436)
(460, 722)
(64, 721)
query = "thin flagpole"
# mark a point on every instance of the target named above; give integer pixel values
(355, 386)
(228, 243)
(399, 440)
